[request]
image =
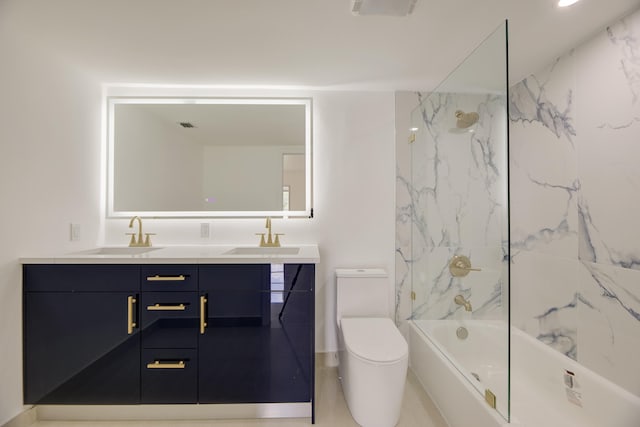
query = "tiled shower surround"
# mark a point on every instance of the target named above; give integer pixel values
(457, 206)
(575, 207)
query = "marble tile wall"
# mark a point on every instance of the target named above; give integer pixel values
(451, 199)
(575, 203)
(574, 200)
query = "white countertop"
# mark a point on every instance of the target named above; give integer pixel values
(204, 254)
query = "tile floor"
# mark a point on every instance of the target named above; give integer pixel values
(331, 411)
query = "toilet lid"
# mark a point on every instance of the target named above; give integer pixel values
(374, 339)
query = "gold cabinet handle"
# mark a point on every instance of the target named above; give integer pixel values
(203, 314)
(158, 278)
(131, 300)
(160, 307)
(166, 365)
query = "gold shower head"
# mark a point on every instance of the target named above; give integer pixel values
(466, 120)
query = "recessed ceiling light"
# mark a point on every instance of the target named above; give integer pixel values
(565, 3)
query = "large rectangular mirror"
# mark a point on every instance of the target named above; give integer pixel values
(209, 157)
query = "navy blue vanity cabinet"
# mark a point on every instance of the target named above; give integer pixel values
(81, 341)
(170, 312)
(256, 338)
(168, 334)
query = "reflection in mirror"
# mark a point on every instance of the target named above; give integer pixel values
(209, 157)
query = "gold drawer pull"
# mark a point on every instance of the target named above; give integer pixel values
(158, 278)
(130, 320)
(166, 365)
(159, 307)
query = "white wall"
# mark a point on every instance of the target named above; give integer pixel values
(49, 177)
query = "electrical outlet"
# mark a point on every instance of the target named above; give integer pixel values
(74, 234)
(204, 230)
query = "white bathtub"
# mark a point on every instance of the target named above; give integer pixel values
(539, 395)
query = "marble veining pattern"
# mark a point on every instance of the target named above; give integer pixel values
(575, 251)
(530, 103)
(624, 36)
(451, 200)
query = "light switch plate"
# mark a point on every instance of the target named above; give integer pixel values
(74, 232)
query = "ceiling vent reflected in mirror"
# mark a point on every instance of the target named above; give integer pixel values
(383, 7)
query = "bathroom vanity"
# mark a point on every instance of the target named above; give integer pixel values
(183, 325)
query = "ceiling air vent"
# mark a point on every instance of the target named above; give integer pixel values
(383, 7)
(186, 125)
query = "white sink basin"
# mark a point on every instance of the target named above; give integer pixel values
(118, 250)
(256, 250)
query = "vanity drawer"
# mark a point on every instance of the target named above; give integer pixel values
(235, 277)
(169, 319)
(172, 277)
(169, 376)
(81, 278)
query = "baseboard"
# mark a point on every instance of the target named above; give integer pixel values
(24, 419)
(329, 358)
(173, 412)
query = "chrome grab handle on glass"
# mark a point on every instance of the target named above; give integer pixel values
(160, 307)
(131, 300)
(203, 314)
(460, 266)
(158, 278)
(166, 365)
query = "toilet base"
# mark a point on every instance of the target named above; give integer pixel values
(373, 392)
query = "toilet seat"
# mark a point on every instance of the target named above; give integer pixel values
(374, 340)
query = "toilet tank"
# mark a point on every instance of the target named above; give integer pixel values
(362, 292)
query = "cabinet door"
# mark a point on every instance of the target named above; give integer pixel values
(251, 350)
(79, 349)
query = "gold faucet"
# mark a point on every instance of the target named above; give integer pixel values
(270, 242)
(460, 300)
(139, 242)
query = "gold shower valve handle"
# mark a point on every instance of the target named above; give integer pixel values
(460, 266)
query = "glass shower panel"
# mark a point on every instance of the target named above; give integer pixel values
(460, 239)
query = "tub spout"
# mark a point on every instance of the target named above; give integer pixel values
(460, 300)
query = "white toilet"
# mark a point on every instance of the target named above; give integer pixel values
(373, 355)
